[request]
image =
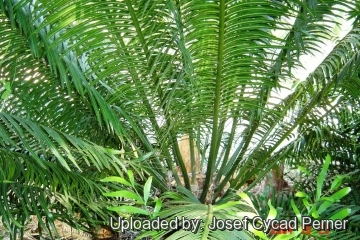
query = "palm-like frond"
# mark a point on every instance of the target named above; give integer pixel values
(331, 125)
(183, 207)
(107, 85)
(48, 137)
(336, 68)
(50, 192)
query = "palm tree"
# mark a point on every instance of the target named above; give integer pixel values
(94, 88)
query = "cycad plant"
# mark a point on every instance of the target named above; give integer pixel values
(91, 89)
